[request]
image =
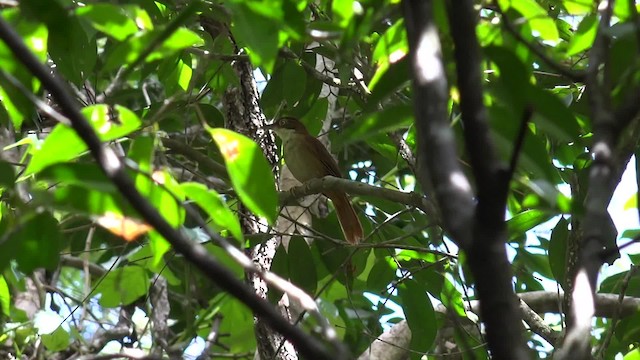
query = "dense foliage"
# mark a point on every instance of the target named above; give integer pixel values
(82, 272)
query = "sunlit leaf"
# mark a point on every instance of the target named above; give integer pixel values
(584, 36)
(343, 11)
(63, 144)
(392, 45)
(129, 51)
(256, 27)
(249, 171)
(110, 19)
(5, 297)
(536, 15)
(17, 105)
(452, 298)
(519, 224)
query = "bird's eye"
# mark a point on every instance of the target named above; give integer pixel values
(282, 122)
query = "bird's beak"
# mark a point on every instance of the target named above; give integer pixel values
(270, 126)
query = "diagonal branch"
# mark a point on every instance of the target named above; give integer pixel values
(116, 172)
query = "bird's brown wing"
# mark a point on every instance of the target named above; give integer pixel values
(329, 163)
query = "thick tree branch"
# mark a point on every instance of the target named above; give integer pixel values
(601, 176)
(487, 254)
(436, 150)
(115, 171)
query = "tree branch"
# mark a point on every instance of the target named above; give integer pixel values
(436, 149)
(116, 172)
(487, 254)
(317, 186)
(601, 176)
(538, 326)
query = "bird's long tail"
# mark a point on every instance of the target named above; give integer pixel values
(348, 218)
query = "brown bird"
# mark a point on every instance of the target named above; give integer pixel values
(308, 159)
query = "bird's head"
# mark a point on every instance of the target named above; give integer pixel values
(287, 126)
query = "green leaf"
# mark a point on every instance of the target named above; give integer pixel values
(7, 175)
(5, 298)
(123, 286)
(514, 76)
(287, 84)
(58, 340)
(18, 106)
(165, 197)
(129, 51)
(578, 7)
(86, 175)
(257, 27)
(249, 171)
(584, 36)
(35, 243)
(63, 144)
(632, 355)
(613, 283)
(144, 257)
(387, 79)
(158, 246)
(387, 120)
(342, 11)
(421, 318)
(518, 225)
(392, 45)
(110, 19)
(452, 298)
(381, 275)
(536, 263)
(302, 270)
(238, 321)
(534, 158)
(536, 15)
(211, 202)
(552, 116)
(83, 200)
(73, 50)
(558, 250)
